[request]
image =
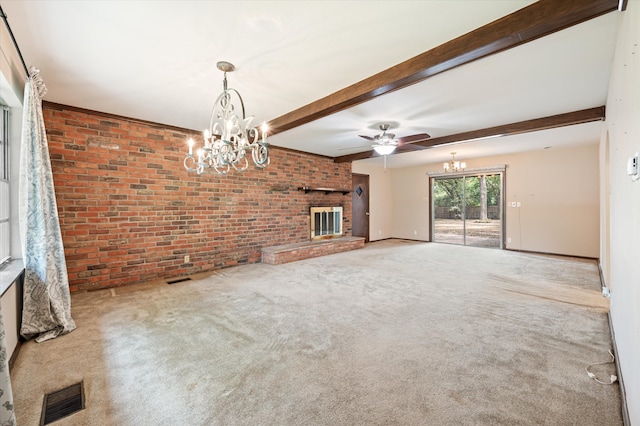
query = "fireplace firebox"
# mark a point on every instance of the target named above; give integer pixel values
(326, 222)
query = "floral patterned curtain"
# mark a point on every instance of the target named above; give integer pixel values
(47, 303)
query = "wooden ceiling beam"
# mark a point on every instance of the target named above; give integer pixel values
(544, 123)
(539, 19)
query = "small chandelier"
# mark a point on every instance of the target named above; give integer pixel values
(229, 136)
(453, 165)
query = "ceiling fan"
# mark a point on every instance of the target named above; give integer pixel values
(386, 143)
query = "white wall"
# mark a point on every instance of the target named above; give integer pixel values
(623, 260)
(12, 72)
(12, 81)
(10, 319)
(559, 192)
(380, 194)
(557, 188)
(411, 203)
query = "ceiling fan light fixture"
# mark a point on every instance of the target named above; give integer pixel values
(386, 143)
(384, 149)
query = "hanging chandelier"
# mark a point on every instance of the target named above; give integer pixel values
(229, 136)
(453, 165)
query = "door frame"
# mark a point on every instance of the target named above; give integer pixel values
(366, 216)
(500, 170)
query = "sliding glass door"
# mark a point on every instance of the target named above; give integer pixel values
(467, 210)
(448, 199)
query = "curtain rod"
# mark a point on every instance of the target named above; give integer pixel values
(15, 43)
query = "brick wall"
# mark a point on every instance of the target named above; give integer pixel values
(130, 212)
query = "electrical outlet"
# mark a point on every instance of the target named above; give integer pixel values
(379, 231)
(513, 204)
(415, 232)
(508, 240)
(518, 204)
(186, 258)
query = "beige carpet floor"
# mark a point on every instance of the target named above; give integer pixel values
(398, 333)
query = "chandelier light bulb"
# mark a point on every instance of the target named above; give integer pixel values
(265, 129)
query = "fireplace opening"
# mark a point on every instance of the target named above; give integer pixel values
(326, 222)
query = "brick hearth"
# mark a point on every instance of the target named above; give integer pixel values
(277, 255)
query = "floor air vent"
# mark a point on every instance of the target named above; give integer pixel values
(62, 403)
(178, 280)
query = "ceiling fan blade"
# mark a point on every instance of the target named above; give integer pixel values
(413, 138)
(367, 137)
(406, 147)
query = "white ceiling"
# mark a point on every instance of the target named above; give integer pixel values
(156, 61)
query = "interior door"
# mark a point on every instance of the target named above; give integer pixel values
(360, 206)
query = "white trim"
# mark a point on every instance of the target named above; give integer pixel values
(5, 188)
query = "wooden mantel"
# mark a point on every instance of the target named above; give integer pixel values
(308, 189)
